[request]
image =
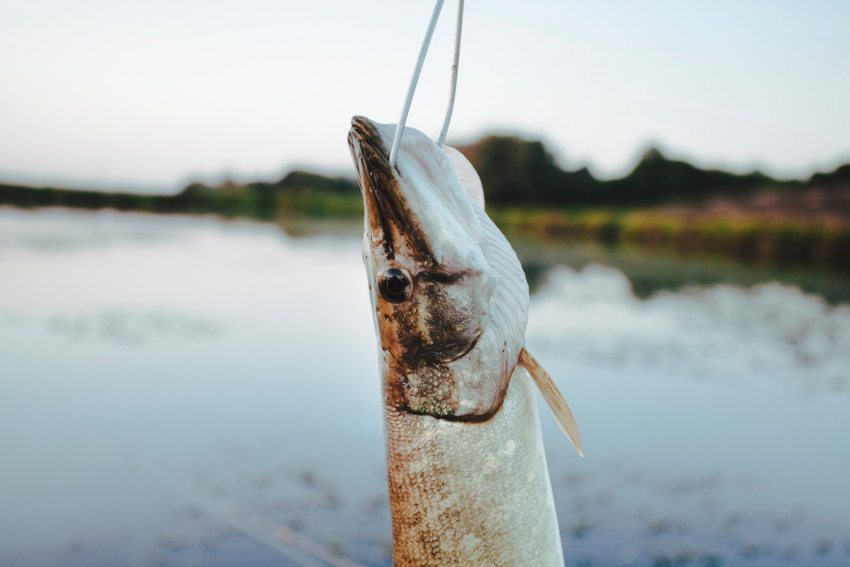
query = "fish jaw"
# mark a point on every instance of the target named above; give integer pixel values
(385, 203)
(420, 205)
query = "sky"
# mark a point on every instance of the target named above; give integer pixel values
(148, 95)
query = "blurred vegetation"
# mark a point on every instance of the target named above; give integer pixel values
(298, 193)
(749, 237)
(661, 203)
(517, 171)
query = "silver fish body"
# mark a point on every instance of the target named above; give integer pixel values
(467, 472)
(472, 494)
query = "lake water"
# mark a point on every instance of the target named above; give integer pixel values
(191, 391)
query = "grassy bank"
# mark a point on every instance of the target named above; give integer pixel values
(746, 236)
(254, 201)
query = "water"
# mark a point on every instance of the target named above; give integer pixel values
(169, 383)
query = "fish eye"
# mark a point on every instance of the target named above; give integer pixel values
(395, 285)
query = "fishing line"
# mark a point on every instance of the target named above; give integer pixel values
(426, 43)
(455, 65)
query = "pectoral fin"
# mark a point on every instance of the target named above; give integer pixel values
(553, 398)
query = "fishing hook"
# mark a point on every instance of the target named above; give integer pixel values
(455, 65)
(418, 71)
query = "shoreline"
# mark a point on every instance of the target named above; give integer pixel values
(767, 229)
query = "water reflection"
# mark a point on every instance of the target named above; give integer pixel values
(650, 272)
(129, 327)
(163, 379)
(720, 332)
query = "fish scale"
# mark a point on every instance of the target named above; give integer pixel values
(472, 494)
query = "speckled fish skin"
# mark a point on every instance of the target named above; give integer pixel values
(467, 472)
(466, 494)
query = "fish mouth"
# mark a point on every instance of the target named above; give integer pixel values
(389, 215)
(368, 148)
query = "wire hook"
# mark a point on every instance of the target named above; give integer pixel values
(455, 65)
(423, 51)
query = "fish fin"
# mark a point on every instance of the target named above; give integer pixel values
(554, 399)
(466, 173)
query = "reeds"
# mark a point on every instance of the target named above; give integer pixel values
(749, 237)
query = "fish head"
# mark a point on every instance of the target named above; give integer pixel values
(450, 326)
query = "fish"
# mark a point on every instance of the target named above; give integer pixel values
(466, 467)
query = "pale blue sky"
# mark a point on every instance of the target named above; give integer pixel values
(150, 94)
